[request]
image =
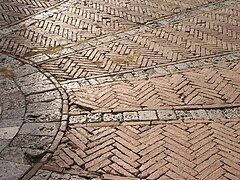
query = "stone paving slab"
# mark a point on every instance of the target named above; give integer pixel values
(10, 170)
(12, 105)
(23, 140)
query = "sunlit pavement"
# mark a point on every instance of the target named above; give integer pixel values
(131, 89)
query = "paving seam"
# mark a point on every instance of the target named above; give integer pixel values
(149, 122)
(95, 41)
(164, 66)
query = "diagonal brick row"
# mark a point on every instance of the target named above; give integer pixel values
(116, 56)
(142, 11)
(204, 35)
(172, 151)
(221, 35)
(15, 10)
(89, 19)
(203, 86)
(137, 59)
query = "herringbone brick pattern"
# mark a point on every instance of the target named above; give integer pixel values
(86, 20)
(145, 84)
(203, 86)
(207, 34)
(219, 28)
(15, 10)
(138, 11)
(165, 151)
(114, 57)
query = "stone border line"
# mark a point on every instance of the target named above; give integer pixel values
(72, 85)
(153, 71)
(156, 116)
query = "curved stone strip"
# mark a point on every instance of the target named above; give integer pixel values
(61, 130)
(12, 110)
(12, 107)
(40, 117)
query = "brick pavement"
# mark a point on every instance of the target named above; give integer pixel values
(183, 150)
(14, 11)
(201, 86)
(86, 20)
(120, 89)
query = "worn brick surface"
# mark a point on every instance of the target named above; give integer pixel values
(15, 10)
(88, 19)
(125, 90)
(206, 34)
(217, 85)
(186, 151)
